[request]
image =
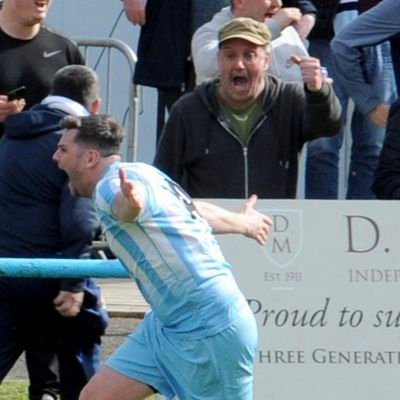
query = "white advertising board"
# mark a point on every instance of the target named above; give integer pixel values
(325, 294)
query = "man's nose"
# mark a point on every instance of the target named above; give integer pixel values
(239, 63)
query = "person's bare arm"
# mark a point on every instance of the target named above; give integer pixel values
(287, 16)
(305, 25)
(248, 222)
(379, 115)
(135, 11)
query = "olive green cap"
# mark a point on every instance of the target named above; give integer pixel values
(247, 29)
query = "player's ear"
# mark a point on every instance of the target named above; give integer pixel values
(92, 158)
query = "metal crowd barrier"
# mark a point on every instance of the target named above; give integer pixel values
(104, 56)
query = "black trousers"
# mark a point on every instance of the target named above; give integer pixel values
(168, 96)
(62, 354)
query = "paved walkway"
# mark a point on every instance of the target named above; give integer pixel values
(122, 298)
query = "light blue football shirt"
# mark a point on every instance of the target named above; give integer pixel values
(171, 253)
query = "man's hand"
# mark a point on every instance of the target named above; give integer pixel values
(379, 115)
(10, 107)
(135, 11)
(287, 16)
(68, 304)
(129, 201)
(311, 72)
(257, 223)
(130, 191)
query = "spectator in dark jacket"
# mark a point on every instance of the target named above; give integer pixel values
(39, 218)
(30, 54)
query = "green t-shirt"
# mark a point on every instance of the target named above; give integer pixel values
(242, 121)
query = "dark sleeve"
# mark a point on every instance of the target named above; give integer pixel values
(76, 55)
(305, 6)
(322, 113)
(170, 152)
(79, 225)
(386, 185)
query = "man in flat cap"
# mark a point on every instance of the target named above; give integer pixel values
(242, 133)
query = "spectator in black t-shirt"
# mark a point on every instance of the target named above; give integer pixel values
(30, 54)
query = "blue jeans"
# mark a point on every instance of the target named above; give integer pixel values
(322, 163)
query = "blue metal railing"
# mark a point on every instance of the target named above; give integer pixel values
(61, 268)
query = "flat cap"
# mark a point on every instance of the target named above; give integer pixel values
(247, 29)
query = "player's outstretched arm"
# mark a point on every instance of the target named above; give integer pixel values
(248, 222)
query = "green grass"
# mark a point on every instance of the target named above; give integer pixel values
(18, 390)
(14, 390)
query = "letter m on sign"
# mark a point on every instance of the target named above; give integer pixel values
(286, 236)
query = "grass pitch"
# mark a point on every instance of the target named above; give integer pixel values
(14, 390)
(18, 390)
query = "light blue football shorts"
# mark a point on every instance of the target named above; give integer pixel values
(218, 367)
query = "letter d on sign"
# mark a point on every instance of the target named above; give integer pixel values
(281, 223)
(357, 226)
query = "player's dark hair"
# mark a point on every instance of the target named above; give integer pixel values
(100, 131)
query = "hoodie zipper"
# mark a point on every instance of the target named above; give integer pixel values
(244, 149)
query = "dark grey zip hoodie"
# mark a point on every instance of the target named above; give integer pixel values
(199, 149)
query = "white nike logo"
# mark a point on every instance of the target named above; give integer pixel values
(47, 54)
